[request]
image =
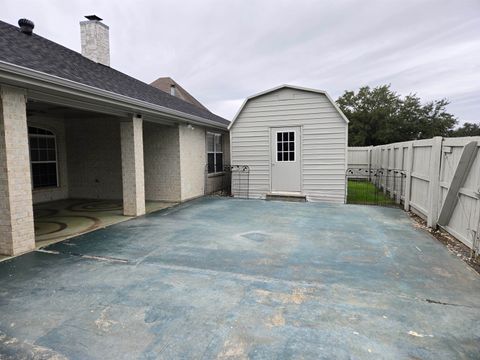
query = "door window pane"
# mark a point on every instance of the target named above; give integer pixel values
(286, 146)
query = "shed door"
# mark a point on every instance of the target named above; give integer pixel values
(286, 159)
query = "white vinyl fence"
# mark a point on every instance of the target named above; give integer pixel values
(442, 181)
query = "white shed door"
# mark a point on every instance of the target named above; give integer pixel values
(286, 159)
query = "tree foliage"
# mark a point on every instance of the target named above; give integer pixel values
(380, 116)
(467, 129)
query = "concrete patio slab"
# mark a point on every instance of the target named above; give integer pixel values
(62, 219)
(226, 278)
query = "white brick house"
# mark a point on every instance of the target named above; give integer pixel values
(72, 127)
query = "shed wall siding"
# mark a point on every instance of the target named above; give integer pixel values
(324, 138)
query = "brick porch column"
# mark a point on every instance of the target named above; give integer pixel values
(16, 210)
(132, 167)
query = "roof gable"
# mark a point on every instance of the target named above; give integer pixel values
(165, 83)
(322, 92)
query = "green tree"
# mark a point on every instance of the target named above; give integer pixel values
(467, 129)
(380, 116)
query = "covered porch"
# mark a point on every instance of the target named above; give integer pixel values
(71, 168)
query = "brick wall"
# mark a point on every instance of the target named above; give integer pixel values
(94, 158)
(161, 162)
(131, 135)
(94, 37)
(193, 160)
(16, 212)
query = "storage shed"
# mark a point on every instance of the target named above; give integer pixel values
(294, 141)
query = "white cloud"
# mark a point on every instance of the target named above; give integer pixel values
(223, 51)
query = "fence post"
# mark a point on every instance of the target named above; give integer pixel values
(408, 176)
(398, 192)
(369, 161)
(434, 183)
(392, 171)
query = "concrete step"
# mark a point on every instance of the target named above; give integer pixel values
(286, 197)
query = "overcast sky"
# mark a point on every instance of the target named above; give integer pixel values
(222, 51)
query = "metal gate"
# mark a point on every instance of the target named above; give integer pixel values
(232, 181)
(383, 187)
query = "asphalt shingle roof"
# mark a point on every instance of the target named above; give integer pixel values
(40, 54)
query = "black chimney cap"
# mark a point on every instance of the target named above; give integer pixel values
(93, 17)
(26, 26)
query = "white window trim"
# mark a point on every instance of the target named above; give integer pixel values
(54, 137)
(214, 152)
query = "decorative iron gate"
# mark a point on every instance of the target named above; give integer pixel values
(232, 181)
(383, 187)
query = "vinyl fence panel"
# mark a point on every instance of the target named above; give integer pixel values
(430, 166)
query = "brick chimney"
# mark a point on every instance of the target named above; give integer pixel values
(95, 40)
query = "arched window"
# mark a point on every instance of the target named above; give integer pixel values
(43, 157)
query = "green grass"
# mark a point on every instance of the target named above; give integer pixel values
(364, 192)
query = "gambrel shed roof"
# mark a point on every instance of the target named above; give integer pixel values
(291, 87)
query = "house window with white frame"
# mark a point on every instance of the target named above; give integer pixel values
(43, 157)
(215, 153)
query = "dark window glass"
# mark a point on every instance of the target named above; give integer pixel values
(44, 174)
(285, 136)
(34, 143)
(291, 146)
(279, 136)
(292, 134)
(215, 153)
(34, 130)
(292, 156)
(218, 162)
(43, 157)
(42, 143)
(51, 155)
(211, 162)
(33, 155)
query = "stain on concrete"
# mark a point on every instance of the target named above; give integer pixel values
(13, 349)
(257, 236)
(103, 323)
(277, 319)
(307, 281)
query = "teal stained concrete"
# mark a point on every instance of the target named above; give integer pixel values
(224, 278)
